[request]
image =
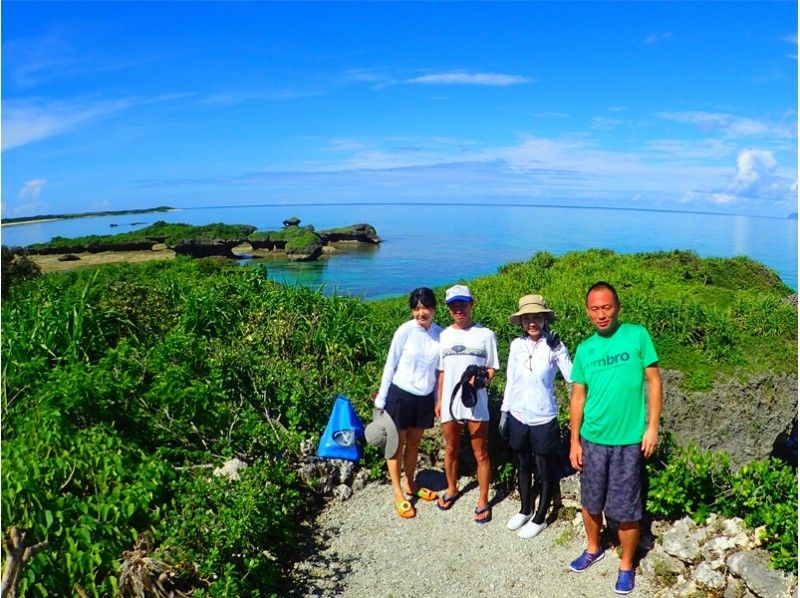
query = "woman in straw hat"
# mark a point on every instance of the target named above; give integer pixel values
(528, 413)
(407, 394)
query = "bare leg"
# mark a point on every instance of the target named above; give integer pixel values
(628, 538)
(413, 438)
(452, 438)
(592, 523)
(479, 438)
(393, 465)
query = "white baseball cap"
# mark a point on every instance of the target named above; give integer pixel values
(458, 292)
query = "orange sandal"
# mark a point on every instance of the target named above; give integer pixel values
(423, 494)
(404, 509)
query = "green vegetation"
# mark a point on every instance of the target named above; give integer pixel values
(85, 214)
(705, 315)
(158, 232)
(294, 239)
(16, 267)
(763, 492)
(119, 382)
(123, 386)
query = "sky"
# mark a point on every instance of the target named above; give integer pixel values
(687, 106)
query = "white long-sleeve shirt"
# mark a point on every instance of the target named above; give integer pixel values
(412, 359)
(529, 380)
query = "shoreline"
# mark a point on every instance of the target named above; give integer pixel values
(57, 217)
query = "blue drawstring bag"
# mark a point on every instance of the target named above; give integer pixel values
(341, 435)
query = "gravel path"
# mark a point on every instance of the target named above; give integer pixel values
(363, 550)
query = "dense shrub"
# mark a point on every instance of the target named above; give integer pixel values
(138, 374)
(16, 267)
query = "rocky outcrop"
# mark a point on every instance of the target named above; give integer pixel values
(206, 248)
(93, 248)
(309, 251)
(361, 233)
(743, 418)
(330, 477)
(720, 557)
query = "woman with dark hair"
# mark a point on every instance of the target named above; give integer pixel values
(407, 394)
(528, 413)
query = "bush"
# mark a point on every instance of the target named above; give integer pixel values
(16, 267)
(763, 492)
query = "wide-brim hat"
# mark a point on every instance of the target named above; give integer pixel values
(532, 304)
(382, 432)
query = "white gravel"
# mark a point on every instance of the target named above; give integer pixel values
(365, 550)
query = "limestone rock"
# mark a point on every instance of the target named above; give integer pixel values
(743, 418)
(765, 582)
(342, 492)
(363, 233)
(706, 577)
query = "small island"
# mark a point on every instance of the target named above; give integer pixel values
(42, 217)
(163, 240)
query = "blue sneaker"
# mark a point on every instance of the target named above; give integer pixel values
(625, 582)
(586, 560)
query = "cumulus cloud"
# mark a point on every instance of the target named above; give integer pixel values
(756, 173)
(465, 78)
(655, 38)
(31, 189)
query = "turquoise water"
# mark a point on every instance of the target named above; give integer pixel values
(436, 244)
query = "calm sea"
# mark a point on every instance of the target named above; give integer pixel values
(436, 244)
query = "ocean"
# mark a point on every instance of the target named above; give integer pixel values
(436, 244)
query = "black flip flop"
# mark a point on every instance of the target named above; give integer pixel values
(480, 511)
(446, 500)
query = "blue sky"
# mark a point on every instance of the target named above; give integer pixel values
(666, 105)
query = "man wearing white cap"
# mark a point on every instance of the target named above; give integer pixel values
(465, 343)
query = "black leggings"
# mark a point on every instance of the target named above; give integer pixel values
(544, 486)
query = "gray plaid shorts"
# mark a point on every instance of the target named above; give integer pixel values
(611, 480)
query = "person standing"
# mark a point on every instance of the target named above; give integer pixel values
(610, 429)
(465, 343)
(528, 413)
(407, 394)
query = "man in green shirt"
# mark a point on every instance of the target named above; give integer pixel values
(610, 429)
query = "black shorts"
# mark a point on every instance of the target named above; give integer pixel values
(538, 440)
(409, 410)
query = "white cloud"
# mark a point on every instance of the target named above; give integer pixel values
(756, 174)
(655, 38)
(729, 124)
(465, 78)
(722, 198)
(691, 149)
(31, 189)
(791, 39)
(603, 122)
(27, 121)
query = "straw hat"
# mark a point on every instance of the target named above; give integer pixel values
(381, 432)
(532, 304)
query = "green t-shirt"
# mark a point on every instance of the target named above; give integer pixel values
(612, 369)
